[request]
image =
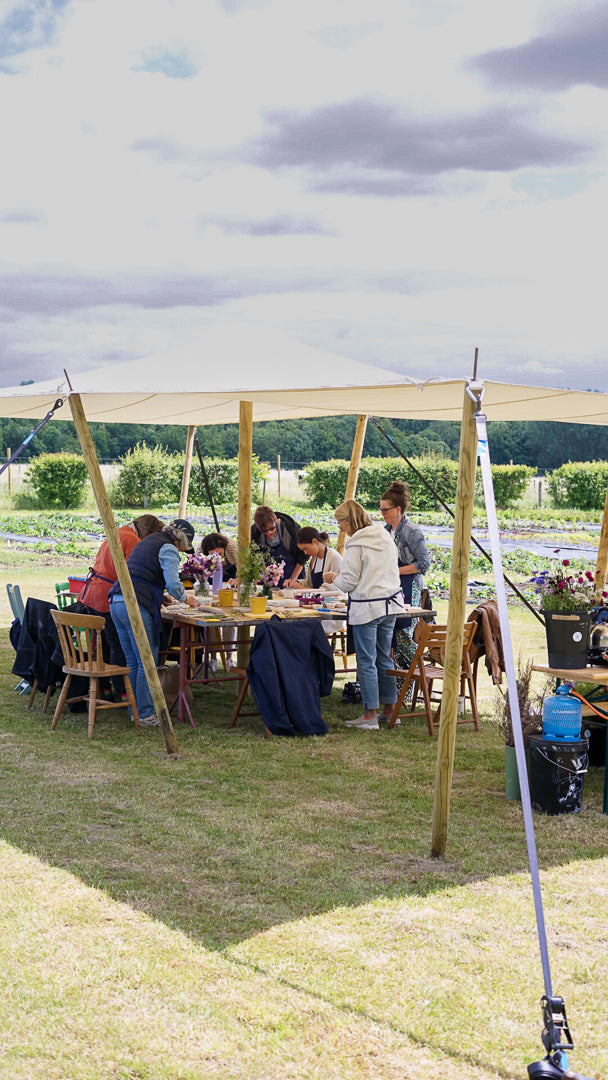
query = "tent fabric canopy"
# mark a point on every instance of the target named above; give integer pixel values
(204, 383)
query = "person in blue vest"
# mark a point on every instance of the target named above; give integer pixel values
(276, 535)
(154, 568)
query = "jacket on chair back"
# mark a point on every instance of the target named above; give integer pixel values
(291, 666)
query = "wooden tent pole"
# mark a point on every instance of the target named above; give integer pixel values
(353, 472)
(461, 544)
(105, 512)
(183, 499)
(244, 504)
(601, 565)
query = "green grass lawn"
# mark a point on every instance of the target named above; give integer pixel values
(270, 909)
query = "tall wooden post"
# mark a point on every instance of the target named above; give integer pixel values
(353, 472)
(8, 470)
(244, 503)
(183, 499)
(601, 565)
(279, 475)
(461, 544)
(105, 512)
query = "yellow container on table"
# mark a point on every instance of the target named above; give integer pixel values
(258, 604)
(225, 597)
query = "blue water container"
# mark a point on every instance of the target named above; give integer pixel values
(562, 716)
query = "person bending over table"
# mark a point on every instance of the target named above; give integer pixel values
(322, 558)
(275, 534)
(224, 546)
(154, 568)
(370, 576)
(101, 577)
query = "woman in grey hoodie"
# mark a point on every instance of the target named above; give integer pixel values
(370, 575)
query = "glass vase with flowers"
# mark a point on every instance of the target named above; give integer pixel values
(200, 570)
(270, 577)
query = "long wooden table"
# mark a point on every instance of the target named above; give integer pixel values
(195, 626)
(593, 674)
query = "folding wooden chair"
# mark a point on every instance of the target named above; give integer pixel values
(80, 640)
(426, 667)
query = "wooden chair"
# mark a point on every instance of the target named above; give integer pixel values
(80, 640)
(338, 641)
(426, 667)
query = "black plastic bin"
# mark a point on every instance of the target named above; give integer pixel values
(556, 769)
(596, 733)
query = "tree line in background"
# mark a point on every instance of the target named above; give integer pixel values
(542, 445)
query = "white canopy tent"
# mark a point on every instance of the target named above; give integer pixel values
(240, 375)
(203, 384)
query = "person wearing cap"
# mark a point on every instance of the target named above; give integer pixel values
(101, 577)
(154, 568)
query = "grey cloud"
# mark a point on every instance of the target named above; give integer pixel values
(576, 53)
(48, 294)
(22, 217)
(343, 36)
(280, 225)
(370, 134)
(30, 26)
(173, 65)
(161, 148)
(346, 181)
(232, 7)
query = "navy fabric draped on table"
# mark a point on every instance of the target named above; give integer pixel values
(291, 666)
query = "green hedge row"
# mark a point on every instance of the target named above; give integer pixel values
(58, 479)
(154, 474)
(325, 481)
(510, 483)
(579, 484)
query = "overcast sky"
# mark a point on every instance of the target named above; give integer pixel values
(398, 181)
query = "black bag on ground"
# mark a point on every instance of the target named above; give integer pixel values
(351, 693)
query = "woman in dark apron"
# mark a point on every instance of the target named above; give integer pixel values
(321, 557)
(414, 561)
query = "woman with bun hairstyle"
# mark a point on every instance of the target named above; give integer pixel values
(321, 557)
(414, 561)
(370, 575)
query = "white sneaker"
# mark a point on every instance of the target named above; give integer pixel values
(362, 724)
(385, 719)
(149, 721)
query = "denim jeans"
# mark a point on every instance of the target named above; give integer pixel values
(373, 649)
(120, 618)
